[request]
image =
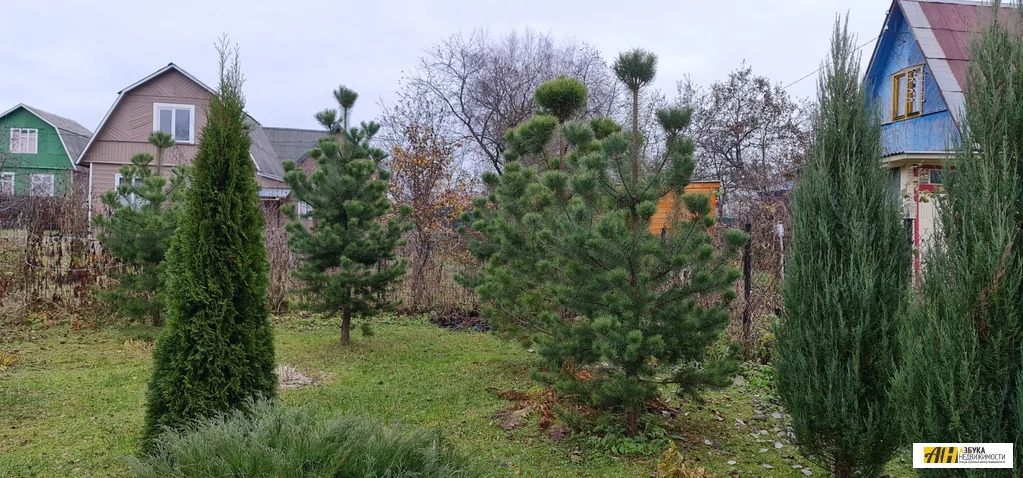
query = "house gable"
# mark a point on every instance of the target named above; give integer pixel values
(125, 130)
(934, 129)
(51, 156)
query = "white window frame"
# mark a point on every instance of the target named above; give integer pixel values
(157, 107)
(134, 201)
(31, 145)
(5, 179)
(32, 184)
(304, 209)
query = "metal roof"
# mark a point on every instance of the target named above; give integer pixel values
(943, 29)
(274, 193)
(72, 135)
(293, 143)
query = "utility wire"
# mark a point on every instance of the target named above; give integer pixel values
(818, 70)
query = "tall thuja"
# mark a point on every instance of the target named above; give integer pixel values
(346, 255)
(217, 350)
(847, 280)
(962, 378)
(143, 214)
(571, 266)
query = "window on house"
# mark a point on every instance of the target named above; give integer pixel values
(6, 184)
(933, 177)
(41, 185)
(907, 93)
(895, 180)
(132, 199)
(24, 141)
(304, 208)
(178, 120)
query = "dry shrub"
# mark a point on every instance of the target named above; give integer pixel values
(49, 260)
(751, 320)
(281, 265)
(436, 259)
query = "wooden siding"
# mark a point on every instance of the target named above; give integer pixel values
(668, 208)
(934, 129)
(126, 131)
(49, 158)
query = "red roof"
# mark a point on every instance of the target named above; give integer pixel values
(953, 23)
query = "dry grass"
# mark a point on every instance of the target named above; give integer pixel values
(8, 360)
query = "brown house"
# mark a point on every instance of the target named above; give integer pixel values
(174, 101)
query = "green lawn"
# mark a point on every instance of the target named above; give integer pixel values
(73, 405)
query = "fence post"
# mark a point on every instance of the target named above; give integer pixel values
(747, 287)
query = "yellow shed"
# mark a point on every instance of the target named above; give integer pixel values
(668, 207)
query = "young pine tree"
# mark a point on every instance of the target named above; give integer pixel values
(217, 351)
(346, 256)
(962, 342)
(847, 280)
(143, 215)
(571, 266)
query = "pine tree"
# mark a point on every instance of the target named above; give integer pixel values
(346, 256)
(143, 215)
(847, 280)
(571, 267)
(217, 350)
(962, 343)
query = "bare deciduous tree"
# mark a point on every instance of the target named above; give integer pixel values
(481, 86)
(747, 131)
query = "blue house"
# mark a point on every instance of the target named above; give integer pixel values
(915, 78)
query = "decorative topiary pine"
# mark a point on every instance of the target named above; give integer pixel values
(571, 267)
(962, 342)
(847, 280)
(142, 217)
(346, 255)
(217, 351)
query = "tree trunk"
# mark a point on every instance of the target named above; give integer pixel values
(634, 217)
(346, 325)
(157, 318)
(635, 138)
(632, 421)
(843, 469)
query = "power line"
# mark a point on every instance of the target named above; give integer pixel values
(818, 70)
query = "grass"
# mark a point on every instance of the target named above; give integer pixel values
(73, 405)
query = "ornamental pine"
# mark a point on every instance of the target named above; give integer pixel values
(346, 255)
(142, 217)
(847, 280)
(962, 343)
(217, 351)
(571, 267)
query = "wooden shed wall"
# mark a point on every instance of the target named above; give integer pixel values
(668, 207)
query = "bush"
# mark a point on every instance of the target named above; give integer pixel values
(267, 439)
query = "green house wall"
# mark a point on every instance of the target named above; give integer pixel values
(50, 159)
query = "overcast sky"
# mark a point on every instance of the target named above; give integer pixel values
(71, 57)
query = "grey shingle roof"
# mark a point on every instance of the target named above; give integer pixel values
(263, 152)
(74, 135)
(293, 143)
